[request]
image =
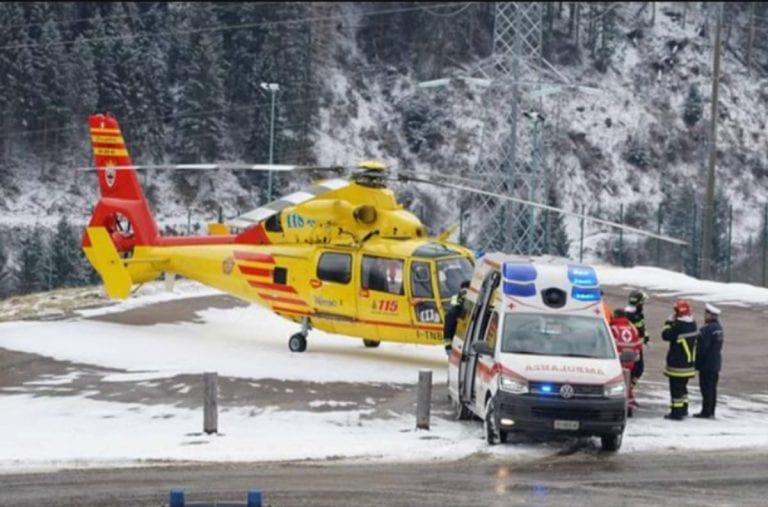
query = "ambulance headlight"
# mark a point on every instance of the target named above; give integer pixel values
(513, 385)
(615, 390)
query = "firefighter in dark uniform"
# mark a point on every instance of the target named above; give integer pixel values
(634, 313)
(453, 315)
(709, 360)
(681, 332)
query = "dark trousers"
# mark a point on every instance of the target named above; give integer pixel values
(638, 368)
(678, 392)
(708, 384)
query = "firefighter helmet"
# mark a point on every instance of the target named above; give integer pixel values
(637, 297)
(682, 308)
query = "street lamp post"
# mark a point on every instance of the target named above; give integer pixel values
(273, 88)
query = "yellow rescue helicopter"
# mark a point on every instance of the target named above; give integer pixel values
(341, 255)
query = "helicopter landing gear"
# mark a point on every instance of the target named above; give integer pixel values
(298, 341)
(371, 344)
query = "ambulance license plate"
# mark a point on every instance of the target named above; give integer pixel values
(566, 425)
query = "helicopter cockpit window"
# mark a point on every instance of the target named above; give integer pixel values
(335, 267)
(421, 281)
(450, 274)
(383, 275)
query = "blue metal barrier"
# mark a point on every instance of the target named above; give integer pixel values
(176, 499)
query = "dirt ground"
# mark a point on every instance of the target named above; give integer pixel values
(744, 351)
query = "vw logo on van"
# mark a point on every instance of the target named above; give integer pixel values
(566, 391)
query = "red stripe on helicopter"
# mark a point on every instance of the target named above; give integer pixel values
(253, 256)
(117, 144)
(280, 309)
(248, 270)
(397, 324)
(279, 299)
(272, 286)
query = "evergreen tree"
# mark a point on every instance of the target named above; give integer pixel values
(33, 274)
(7, 282)
(720, 231)
(557, 241)
(66, 257)
(693, 108)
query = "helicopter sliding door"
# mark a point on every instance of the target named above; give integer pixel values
(382, 302)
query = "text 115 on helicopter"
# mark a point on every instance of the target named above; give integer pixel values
(342, 255)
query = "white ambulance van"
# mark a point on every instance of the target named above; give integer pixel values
(533, 353)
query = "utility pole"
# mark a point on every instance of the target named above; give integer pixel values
(535, 118)
(708, 212)
(273, 88)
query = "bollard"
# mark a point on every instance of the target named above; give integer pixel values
(254, 498)
(210, 403)
(176, 498)
(424, 399)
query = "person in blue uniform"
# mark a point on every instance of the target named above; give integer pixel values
(709, 360)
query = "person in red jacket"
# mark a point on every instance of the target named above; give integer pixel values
(627, 338)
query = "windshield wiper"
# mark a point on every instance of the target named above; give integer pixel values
(520, 352)
(579, 355)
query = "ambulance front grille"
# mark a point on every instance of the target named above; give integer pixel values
(579, 390)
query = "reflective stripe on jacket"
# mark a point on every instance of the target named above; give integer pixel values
(682, 335)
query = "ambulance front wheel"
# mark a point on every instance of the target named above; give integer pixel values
(493, 434)
(611, 443)
(371, 344)
(298, 342)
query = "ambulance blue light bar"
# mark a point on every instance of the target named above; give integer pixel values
(582, 275)
(585, 293)
(524, 290)
(519, 272)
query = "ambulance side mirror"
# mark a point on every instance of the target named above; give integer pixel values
(482, 348)
(627, 356)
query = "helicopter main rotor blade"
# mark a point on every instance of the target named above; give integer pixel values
(262, 213)
(226, 166)
(407, 176)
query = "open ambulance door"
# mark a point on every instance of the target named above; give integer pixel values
(478, 324)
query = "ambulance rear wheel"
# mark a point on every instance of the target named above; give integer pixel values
(371, 344)
(493, 434)
(297, 343)
(611, 443)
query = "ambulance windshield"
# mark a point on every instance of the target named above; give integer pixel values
(556, 335)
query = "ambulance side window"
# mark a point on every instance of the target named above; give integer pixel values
(491, 332)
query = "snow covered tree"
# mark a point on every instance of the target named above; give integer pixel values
(7, 282)
(33, 273)
(66, 257)
(693, 109)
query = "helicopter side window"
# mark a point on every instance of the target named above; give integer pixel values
(450, 274)
(383, 275)
(335, 267)
(421, 282)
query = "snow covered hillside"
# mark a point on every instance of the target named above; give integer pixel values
(634, 133)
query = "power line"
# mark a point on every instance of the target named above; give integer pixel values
(210, 29)
(447, 15)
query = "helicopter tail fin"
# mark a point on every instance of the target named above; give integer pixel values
(122, 210)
